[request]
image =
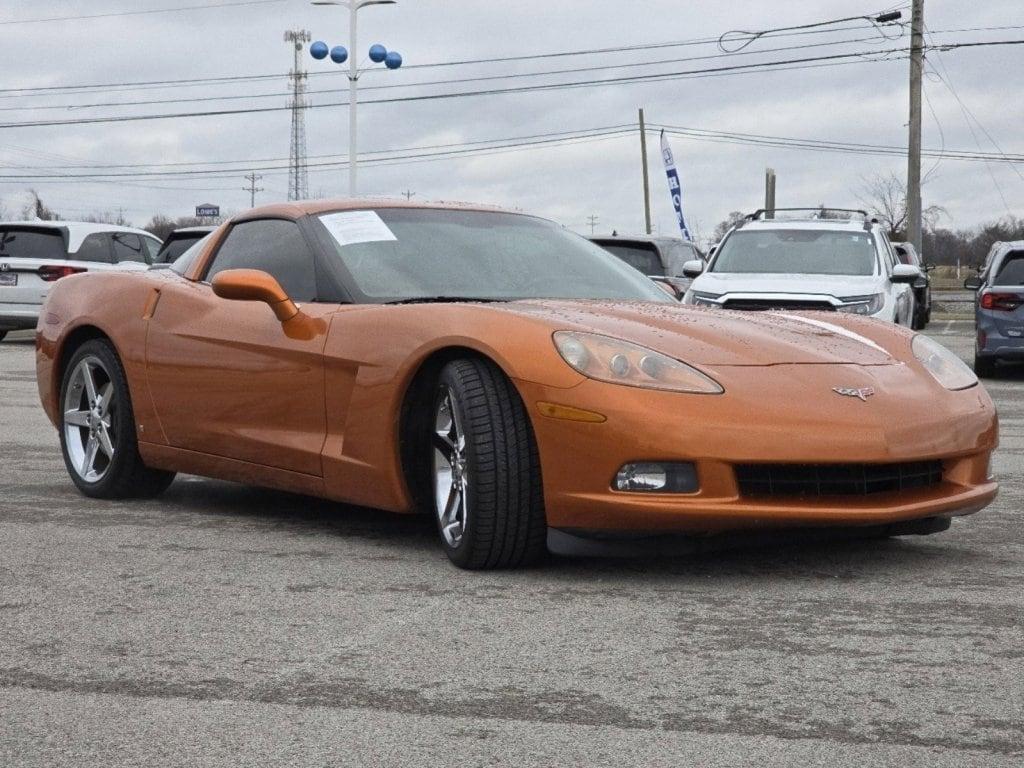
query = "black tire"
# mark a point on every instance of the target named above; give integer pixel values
(984, 367)
(124, 476)
(504, 525)
(917, 321)
(3, 335)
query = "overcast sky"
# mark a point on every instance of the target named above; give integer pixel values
(864, 102)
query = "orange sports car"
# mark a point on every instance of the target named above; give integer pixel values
(517, 381)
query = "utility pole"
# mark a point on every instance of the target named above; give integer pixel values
(769, 193)
(914, 154)
(252, 189)
(409, 194)
(643, 165)
(592, 221)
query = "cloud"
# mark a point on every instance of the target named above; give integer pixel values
(862, 102)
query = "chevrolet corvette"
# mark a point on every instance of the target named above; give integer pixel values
(510, 378)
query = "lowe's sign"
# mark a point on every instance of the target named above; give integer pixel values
(207, 210)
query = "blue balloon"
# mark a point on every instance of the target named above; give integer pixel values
(378, 53)
(393, 60)
(339, 54)
(318, 50)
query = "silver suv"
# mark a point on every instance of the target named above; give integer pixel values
(35, 254)
(829, 264)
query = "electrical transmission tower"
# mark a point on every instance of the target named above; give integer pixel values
(298, 174)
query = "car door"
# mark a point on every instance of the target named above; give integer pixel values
(227, 378)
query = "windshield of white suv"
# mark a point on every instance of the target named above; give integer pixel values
(797, 252)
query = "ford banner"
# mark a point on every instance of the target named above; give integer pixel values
(674, 187)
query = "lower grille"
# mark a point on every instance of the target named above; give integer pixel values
(763, 304)
(835, 479)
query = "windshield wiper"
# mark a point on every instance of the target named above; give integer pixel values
(442, 300)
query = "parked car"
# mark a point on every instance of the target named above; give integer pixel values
(35, 254)
(660, 258)
(999, 307)
(907, 254)
(506, 376)
(833, 265)
(179, 241)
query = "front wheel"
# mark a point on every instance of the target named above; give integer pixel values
(487, 493)
(97, 428)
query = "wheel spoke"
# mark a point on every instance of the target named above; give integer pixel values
(77, 418)
(87, 379)
(106, 445)
(453, 504)
(106, 394)
(89, 460)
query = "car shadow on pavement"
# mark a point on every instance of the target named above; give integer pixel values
(783, 555)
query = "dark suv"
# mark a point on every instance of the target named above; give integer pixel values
(660, 258)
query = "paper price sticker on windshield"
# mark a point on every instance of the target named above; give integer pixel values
(351, 227)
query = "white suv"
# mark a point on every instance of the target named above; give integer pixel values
(830, 264)
(34, 254)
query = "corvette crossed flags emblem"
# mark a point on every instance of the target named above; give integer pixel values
(863, 393)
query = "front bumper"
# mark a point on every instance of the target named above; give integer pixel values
(18, 317)
(762, 419)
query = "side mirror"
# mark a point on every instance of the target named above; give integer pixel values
(254, 285)
(972, 283)
(693, 268)
(905, 273)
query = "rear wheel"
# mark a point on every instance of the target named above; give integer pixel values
(97, 428)
(985, 367)
(487, 493)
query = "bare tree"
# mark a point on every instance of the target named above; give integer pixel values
(886, 198)
(37, 209)
(734, 218)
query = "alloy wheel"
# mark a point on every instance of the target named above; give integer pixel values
(451, 475)
(89, 405)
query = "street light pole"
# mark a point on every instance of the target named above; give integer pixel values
(353, 98)
(353, 80)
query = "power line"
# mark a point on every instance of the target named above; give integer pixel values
(455, 81)
(111, 14)
(859, 57)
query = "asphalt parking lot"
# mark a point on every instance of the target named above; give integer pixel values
(223, 625)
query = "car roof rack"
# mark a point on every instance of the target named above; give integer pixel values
(760, 212)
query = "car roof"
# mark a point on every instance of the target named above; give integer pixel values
(77, 230)
(300, 208)
(204, 230)
(852, 225)
(637, 239)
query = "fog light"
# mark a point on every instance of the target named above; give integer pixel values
(657, 477)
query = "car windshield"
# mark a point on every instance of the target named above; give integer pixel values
(1011, 271)
(31, 243)
(640, 256)
(184, 261)
(175, 245)
(398, 254)
(797, 252)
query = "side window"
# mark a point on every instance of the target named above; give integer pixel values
(275, 246)
(94, 248)
(128, 247)
(151, 247)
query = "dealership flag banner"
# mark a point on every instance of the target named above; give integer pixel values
(673, 185)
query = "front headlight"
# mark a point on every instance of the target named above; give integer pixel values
(702, 299)
(948, 369)
(862, 305)
(618, 362)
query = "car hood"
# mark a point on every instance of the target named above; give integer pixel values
(827, 285)
(715, 337)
